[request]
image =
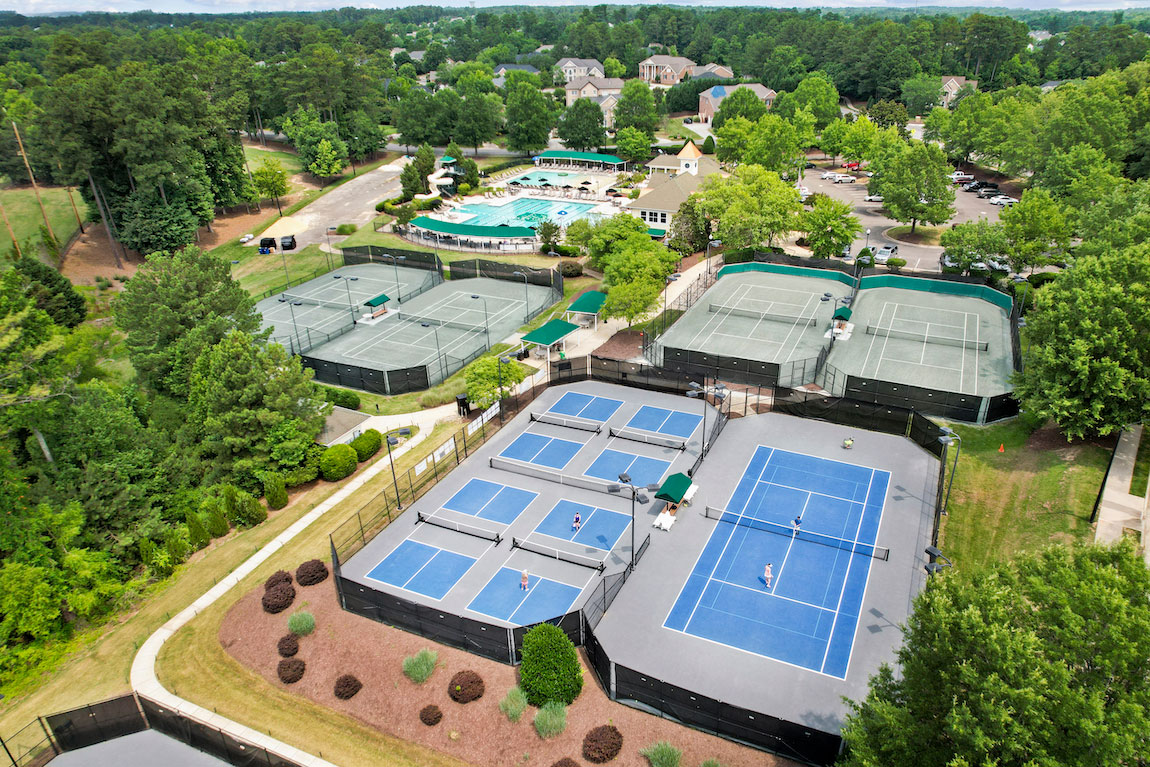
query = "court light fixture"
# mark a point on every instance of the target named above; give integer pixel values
(625, 478)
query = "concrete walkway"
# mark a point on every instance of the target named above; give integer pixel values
(1119, 509)
(143, 675)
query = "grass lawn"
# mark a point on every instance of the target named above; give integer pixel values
(24, 213)
(1039, 491)
(290, 160)
(674, 130)
(1141, 465)
(257, 273)
(923, 235)
(368, 236)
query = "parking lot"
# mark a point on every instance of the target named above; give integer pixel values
(871, 215)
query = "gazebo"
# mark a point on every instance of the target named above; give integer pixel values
(587, 304)
(552, 333)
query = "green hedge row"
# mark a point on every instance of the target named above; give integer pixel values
(367, 444)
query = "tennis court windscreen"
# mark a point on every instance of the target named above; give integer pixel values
(855, 547)
(458, 325)
(913, 335)
(289, 298)
(459, 527)
(570, 423)
(554, 553)
(754, 314)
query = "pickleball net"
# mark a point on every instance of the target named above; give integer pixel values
(855, 547)
(441, 322)
(459, 527)
(570, 423)
(659, 440)
(554, 553)
(309, 301)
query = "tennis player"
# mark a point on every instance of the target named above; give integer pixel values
(798, 523)
(523, 581)
(848, 443)
(576, 522)
(768, 575)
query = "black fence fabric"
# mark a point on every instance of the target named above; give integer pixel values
(689, 362)
(209, 739)
(374, 254)
(97, 722)
(952, 405)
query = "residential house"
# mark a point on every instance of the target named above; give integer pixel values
(501, 71)
(1050, 85)
(592, 88)
(673, 178)
(711, 99)
(717, 71)
(576, 68)
(607, 105)
(951, 85)
(665, 70)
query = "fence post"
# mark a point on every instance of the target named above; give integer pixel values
(362, 537)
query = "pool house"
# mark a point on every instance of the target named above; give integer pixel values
(501, 238)
(593, 161)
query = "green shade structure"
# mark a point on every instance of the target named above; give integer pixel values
(468, 230)
(588, 303)
(551, 333)
(842, 313)
(674, 488)
(447, 159)
(378, 301)
(657, 232)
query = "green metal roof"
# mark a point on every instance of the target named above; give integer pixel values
(562, 154)
(657, 232)
(551, 333)
(842, 313)
(379, 300)
(468, 230)
(674, 488)
(588, 303)
(447, 159)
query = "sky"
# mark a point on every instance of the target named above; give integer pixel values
(36, 7)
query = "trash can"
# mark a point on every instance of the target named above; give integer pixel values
(463, 405)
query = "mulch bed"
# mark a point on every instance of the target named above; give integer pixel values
(624, 345)
(348, 644)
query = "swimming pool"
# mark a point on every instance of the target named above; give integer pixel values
(525, 212)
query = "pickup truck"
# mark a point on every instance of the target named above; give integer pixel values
(958, 177)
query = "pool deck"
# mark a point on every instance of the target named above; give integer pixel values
(455, 215)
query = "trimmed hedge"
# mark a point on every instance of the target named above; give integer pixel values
(338, 462)
(345, 229)
(276, 578)
(302, 623)
(278, 598)
(566, 762)
(602, 744)
(347, 686)
(291, 670)
(571, 269)
(430, 715)
(550, 669)
(288, 645)
(342, 397)
(311, 572)
(465, 687)
(275, 491)
(367, 444)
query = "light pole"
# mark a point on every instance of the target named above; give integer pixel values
(350, 302)
(867, 239)
(557, 255)
(526, 299)
(395, 265)
(291, 308)
(499, 363)
(438, 352)
(287, 277)
(486, 327)
(625, 478)
(393, 441)
(934, 567)
(949, 436)
(712, 244)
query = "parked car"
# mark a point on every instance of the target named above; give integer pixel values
(688, 121)
(287, 242)
(808, 166)
(843, 178)
(975, 186)
(873, 198)
(267, 243)
(846, 251)
(852, 165)
(996, 265)
(828, 175)
(884, 253)
(947, 262)
(986, 192)
(803, 191)
(959, 177)
(1003, 200)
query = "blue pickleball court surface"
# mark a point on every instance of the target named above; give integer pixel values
(599, 528)
(552, 452)
(586, 406)
(644, 471)
(659, 420)
(491, 500)
(504, 598)
(424, 569)
(809, 615)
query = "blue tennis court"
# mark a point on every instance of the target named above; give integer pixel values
(504, 598)
(644, 471)
(586, 406)
(551, 452)
(491, 500)
(808, 614)
(663, 421)
(427, 570)
(599, 528)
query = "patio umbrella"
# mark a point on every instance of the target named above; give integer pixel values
(515, 183)
(673, 488)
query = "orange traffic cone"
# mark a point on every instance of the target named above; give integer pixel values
(1002, 447)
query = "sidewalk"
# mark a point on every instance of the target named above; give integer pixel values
(1119, 510)
(143, 674)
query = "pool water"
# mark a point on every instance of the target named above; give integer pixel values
(526, 212)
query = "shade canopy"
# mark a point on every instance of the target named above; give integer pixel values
(561, 154)
(471, 230)
(551, 333)
(657, 232)
(588, 303)
(842, 313)
(379, 300)
(674, 488)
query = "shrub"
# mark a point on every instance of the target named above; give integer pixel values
(709, 144)
(711, 763)
(566, 762)
(895, 264)
(217, 523)
(291, 670)
(249, 511)
(367, 444)
(288, 645)
(465, 687)
(347, 686)
(276, 578)
(275, 491)
(278, 598)
(418, 667)
(346, 229)
(197, 532)
(300, 475)
(662, 754)
(551, 720)
(1038, 279)
(302, 623)
(567, 251)
(228, 495)
(430, 715)
(513, 705)
(379, 206)
(602, 744)
(550, 669)
(571, 269)
(338, 461)
(342, 397)
(311, 572)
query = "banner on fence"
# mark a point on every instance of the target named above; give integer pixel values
(444, 450)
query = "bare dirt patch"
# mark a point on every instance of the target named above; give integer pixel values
(348, 644)
(1049, 438)
(91, 256)
(624, 345)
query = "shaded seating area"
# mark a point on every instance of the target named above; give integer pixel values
(676, 490)
(585, 309)
(553, 333)
(567, 160)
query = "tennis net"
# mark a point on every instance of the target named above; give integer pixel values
(459, 527)
(912, 335)
(290, 298)
(738, 311)
(570, 423)
(442, 322)
(542, 472)
(855, 547)
(562, 556)
(661, 440)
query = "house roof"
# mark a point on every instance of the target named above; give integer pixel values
(470, 230)
(665, 161)
(711, 70)
(958, 80)
(676, 63)
(579, 63)
(716, 94)
(666, 193)
(600, 83)
(516, 67)
(564, 154)
(690, 151)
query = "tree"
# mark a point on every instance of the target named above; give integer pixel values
(150, 225)
(632, 301)
(1077, 176)
(176, 306)
(709, 145)
(830, 227)
(860, 134)
(1036, 230)
(636, 108)
(326, 163)
(886, 114)
(530, 118)
(424, 162)
(270, 180)
(578, 234)
(1089, 365)
(833, 139)
(818, 95)
(921, 93)
(734, 138)
(916, 186)
(483, 376)
(632, 144)
(548, 232)
(742, 102)
(753, 206)
(581, 126)
(608, 235)
(480, 119)
(52, 292)
(690, 228)
(410, 181)
(974, 242)
(1039, 660)
(775, 144)
(612, 67)
(240, 392)
(638, 257)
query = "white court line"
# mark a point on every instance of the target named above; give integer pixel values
(743, 337)
(769, 594)
(716, 317)
(790, 546)
(892, 358)
(882, 351)
(796, 326)
(757, 654)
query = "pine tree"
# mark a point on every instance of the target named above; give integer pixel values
(197, 533)
(216, 521)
